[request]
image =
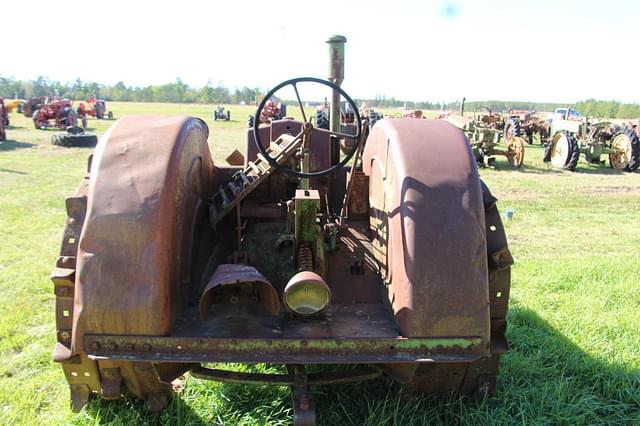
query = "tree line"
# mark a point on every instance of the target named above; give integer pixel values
(179, 92)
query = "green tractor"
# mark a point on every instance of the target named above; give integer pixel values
(572, 137)
(484, 131)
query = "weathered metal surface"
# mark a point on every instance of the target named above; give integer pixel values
(429, 219)
(285, 350)
(307, 204)
(239, 284)
(132, 275)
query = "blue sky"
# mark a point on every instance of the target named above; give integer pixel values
(557, 51)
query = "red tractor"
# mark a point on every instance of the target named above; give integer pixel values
(94, 107)
(57, 113)
(4, 120)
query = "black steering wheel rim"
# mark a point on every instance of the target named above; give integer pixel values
(293, 82)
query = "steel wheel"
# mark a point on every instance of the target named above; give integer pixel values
(560, 150)
(625, 150)
(515, 152)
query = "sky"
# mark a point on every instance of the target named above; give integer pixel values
(441, 50)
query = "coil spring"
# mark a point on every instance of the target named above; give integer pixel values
(305, 258)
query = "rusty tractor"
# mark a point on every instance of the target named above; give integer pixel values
(57, 113)
(298, 257)
(484, 132)
(93, 107)
(526, 124)
(220, 114)
(32, 104)
(4, 120)
(575, 136)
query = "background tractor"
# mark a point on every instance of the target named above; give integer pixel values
(94, 107)
(526, 123)
(575, 136)
(220, 114)
(57, 113)
(32, 104)
(484, 132)
(4, 120)
(301, 256)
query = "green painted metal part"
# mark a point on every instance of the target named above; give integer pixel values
(285, 351)
(307, 203)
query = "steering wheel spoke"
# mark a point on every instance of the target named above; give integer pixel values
(304, 116)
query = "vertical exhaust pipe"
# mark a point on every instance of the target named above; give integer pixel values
(336, 76)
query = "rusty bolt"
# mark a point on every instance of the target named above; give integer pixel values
(130, 347)
(146, 347)
(303, 343)
(94, 346)
(72, 221)
(65, 336)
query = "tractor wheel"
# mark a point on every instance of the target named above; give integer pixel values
(70, 117)
(84, 121)
(69, 140)
(560, 149)
(228, 115)
(512, 129)
(127, 242)
(110, 115)
(515, 152)
(35, 115)
(574, 156)
(322, 120)
(3, 133)
(625, 151)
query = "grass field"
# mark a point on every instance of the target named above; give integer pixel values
(574, 319)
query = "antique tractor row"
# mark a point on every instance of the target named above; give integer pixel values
(594, 140)
(299, 257)
(484, 131)
(220, 114)
(4, 120)
(96, 108)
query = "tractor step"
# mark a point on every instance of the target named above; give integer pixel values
(243, 182)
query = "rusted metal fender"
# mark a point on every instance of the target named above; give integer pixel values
(428, 227)
(149, 181)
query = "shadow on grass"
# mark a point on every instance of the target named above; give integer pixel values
(545, 379)
(11, 145)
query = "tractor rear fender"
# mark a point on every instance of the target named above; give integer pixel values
(149, 181)
(428, 227)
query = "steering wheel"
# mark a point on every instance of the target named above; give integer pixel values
(308, 126)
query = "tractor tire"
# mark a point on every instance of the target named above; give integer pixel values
(322, 120)
(575, 155)
(84, 121)
(228, 115)
(126, 242)
(79, 141)
(99, 111)
(625, 150)
(3, 133)
(511, 129)
(110, 115)
(561, 150)
(35, 119)
(70, 117)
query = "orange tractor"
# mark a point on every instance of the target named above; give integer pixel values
(94, 107)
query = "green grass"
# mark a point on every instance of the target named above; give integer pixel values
(574, 317)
